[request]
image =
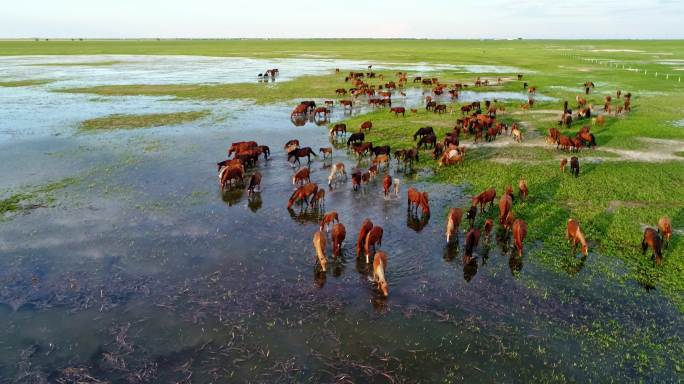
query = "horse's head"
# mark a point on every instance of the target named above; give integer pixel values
(383, 287)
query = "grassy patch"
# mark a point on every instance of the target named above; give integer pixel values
(23, 83)
(112, 122)
(82, 64)
(33, 198)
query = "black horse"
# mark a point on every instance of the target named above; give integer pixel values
(300, 152)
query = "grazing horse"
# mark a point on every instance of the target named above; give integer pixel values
(254, 183)
(381, 160)
(554, 135)
(665, 229)
(575, 236)
(373, 237)
(427, 141)
(386, 184)
(424, 131)
(228, 174)
(563, 164)
(488, 225)
(339, 233)
(381, 150)
(301, 152)
(523, 191)
(355, 138)
(338, 130)
(409, 156)
(519, 233)
(449, 157)
(517, 134)
(241, 146)
(441, 108)
(472, 215)
(453, 222)
(379, 267)
(366, 126)
(302, 194)
(574, 166)
(508, 222)
(471, 240)
(564, 142)
(651, 239)
(346, 103)
(322, 111)
(505, 205)
(336, 171)
(290, 145)
(319, 246)
(326, 151)
(485, 197)
(319, 198)
(366, 226)
(329, 219)
(398, 110)
(356, 180)
(417, 199)
(300, 110)
(302, 176)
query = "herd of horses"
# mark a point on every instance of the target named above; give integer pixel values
(478, 120)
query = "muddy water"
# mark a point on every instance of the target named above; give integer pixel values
(145, 272)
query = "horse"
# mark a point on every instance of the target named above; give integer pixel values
(424, 131)
(417, 199)
(574, 166)
(346, 103)
(322, 111)
(665, 229)
(508, 222)
(366, 126)
(328, 219)
(265, 150)
(409, 156)
(485, 197)
(427, 140)
(373, 237)
(564, 142)
(366, 226)
(338, 130)
(241, 146)
(356, 180)
(319, 246)
(228, 174)
(339, 233)
(355, 138)
(341, 91)
(301, 152)
(379, 267)
(440, 108)
(523, 191)
(336, 171)
(302, 194)
(362, 149)
(326, 151)
(229, 163)
(652, 240)
(505, 205)
(517, 134)
(381, 150)
(471, 240)
(396, 182)
(488, 225)
(319, 198)
(398, 110)
(290, 145)
(449, 157)
(438, 150)
(554, 134)
(254, 183)
(381, 160)
(453, 222)
(519, 233)
(563, 164)
(300, 110)
(472, 215)
(302, 176)
(386, 184)
(575, 236)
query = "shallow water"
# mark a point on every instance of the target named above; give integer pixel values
(144, 272)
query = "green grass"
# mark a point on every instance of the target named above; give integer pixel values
(32, 197)
(23, 83)
(113, 122)
(82, 64)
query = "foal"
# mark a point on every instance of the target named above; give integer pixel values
(665, 229)
(319, 246)
(652, 240)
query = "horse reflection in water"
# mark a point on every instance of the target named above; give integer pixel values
(573, 266)
(232, 197)
(319, 278)
(304, 216)
(469, 267)
(416, 221)
(515, 264)
(254, 202)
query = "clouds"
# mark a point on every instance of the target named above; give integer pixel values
(351, 18)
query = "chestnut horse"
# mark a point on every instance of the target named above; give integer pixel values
(386, 184)
(519, 233)
(373, 237)
(301, 152)
(523, 191)
(652, 240)
(366, 126)
(338, 130)
(319, 198)
(398, 110)
(302, 176)
(254, 183)
(339, 233)
(453, 222)
(472, 215)
(326, 151)
(563, 164)
(302, 194)
(505, 205)
(228, 174)
(574, 166)
(485, 197)
(488, 225)
(471, 240)
(329, 219)
(319, 246)
(665, 229)
(366, 226)
(379, 267)
(575, 236)
(417, 199)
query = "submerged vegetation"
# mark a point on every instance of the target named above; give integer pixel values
(23, 83)
(113, 122)
(32, 198)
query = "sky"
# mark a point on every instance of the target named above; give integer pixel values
(452, 19)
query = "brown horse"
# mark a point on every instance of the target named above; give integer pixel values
(485, 197)
(398, 110)
(290, 145)
(665, 229)
(366, 226)
(338, 130)
(254, 183)
(472, 215)
(366, 126)
(299, 110)
(386, 184)
(523, 191)
(302, 176)
(575, 236)
(505, 205)
(356, 180)
(417, 199)
(471, 240)
(228, 174)
(319, 246)
(302, 194)
(379, 267)
(563, 164)
(488, 225)
(652, 240)
(300, 152)
(326, 151)
(319, 198)
(339, 233)
(508, 222)
(519, 233)
(329, 219)
(574, 166)
(373, 237)
(453, 222)
(241, 146)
